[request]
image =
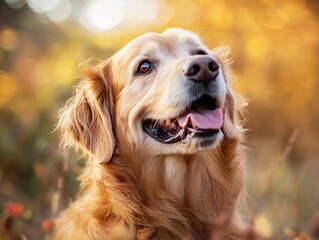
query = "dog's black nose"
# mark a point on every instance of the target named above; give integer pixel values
(201, 69)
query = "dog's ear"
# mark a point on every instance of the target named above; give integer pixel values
(86, 120)
(223, 56)
(234, 103)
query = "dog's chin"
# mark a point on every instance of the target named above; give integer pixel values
(191, 144)
(199, 141)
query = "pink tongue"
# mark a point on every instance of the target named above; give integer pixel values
(202, 118)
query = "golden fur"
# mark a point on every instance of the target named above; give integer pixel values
(132, 186)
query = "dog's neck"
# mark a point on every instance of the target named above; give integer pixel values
(176, 176)
(202, 183)
(192, 192)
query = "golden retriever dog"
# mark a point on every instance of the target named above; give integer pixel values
(159, 124)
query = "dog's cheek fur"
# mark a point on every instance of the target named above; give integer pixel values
(86, 120)
(234, 104)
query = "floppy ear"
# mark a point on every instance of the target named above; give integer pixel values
(86, 120)
(234, 103)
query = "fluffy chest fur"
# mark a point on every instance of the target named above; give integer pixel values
(171, 200)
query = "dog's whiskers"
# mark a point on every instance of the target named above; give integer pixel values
(158, 123)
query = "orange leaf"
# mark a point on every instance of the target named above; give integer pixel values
(46, 225)
(14, 208)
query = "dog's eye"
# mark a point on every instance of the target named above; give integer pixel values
(145, 67)
(200, 52)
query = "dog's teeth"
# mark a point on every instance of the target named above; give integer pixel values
(170, 123)
(189, 124)
(167, 123)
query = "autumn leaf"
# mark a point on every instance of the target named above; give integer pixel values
(14, 209)
(46, 225)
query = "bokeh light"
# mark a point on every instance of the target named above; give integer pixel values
(42, 6)
(60, 12)
(100, 15)
(15, 4)
(103, 15)
(274, 47)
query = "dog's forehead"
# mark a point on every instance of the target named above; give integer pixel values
(169, 41)
(181, 36)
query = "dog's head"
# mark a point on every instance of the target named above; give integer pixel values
(163, 93)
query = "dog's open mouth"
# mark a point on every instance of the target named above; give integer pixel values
(202, 120)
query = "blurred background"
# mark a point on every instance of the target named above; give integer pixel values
(275, 46)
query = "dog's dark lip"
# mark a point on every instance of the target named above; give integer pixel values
(160, 133)
(169, 131)
(180, 134)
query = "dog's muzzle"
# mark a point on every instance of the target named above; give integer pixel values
(202, 118)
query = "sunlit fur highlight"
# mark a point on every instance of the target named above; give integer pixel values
(131, 190)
